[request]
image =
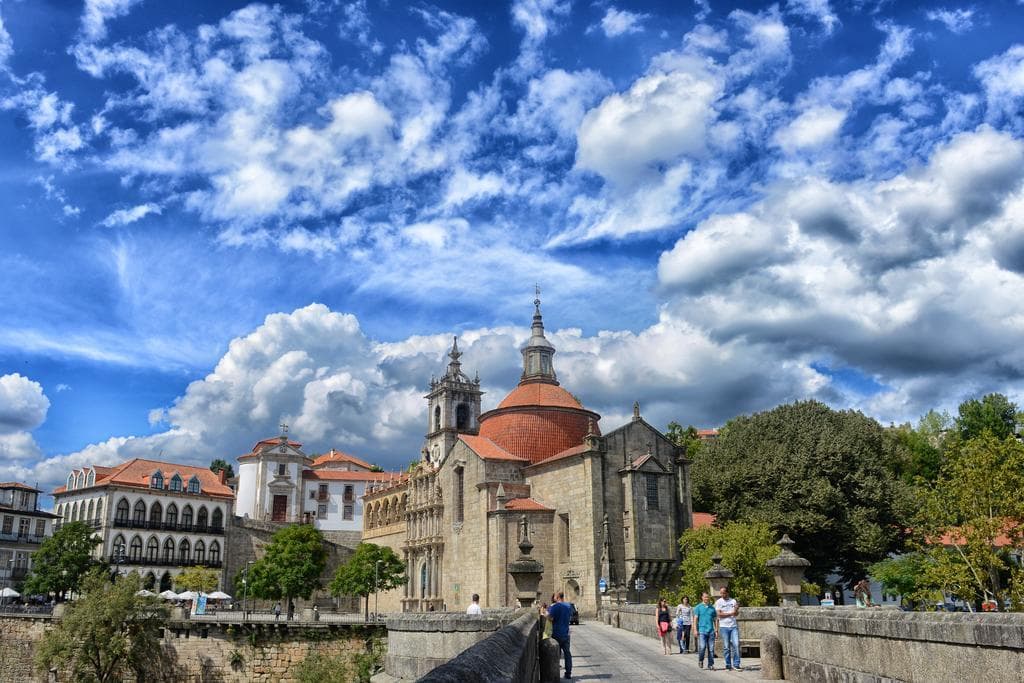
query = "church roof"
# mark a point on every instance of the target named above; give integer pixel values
(260, 445)
(487, 449)
(567, 453)
(334, 456)
(525, 504)
(540, 394)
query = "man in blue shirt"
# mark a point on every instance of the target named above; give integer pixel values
(560, 613)
(706, 619)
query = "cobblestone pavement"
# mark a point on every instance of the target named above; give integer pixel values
(605, 653)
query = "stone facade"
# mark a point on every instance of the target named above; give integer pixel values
(597, 507)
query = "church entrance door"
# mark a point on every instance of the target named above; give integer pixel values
(280, 510)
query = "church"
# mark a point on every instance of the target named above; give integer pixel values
(603, 509)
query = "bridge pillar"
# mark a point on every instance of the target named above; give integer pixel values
(771, 658)
(549, 653)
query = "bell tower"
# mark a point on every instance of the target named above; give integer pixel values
(453, 408)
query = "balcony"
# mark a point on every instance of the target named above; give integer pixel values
(21, 538)
(163, 562)
(168, 526)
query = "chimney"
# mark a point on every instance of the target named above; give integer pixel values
(222, 476)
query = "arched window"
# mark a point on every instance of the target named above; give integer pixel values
(186, 517)
(71, 481)
(156, 513)
(184, 549)
(90, 480)
(202, 519)
(437, 418)
(79, 479)
(214, 552)
(193, 484)
(152, 549)
(121, 516)
(99, 509)
(88, 515)
(172, 516)
(462, 416)
(118, 547)
(135, 552)
(218, 519)
(149, 583)
(168, 550)
(74, 512)
(200, 552)
(139, 512)
(156, 481)
(176, 483)
(423, 580)
(457, 497)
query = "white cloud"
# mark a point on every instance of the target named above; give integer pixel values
(812, 128)
(1002, 78)
(6, 46)
(955, 20)
(97, 13)
(538, 19)
(815, 9)
(23, 405)
(355, 25)
(127, 216)
(465, 186)
(618, 22)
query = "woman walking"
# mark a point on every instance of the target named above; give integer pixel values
(684, 622)
(664, 624)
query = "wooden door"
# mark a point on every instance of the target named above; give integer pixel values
(280, 511)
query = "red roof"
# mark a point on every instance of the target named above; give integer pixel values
(703, 519)
(525, 504)
(18, 485)
(539, 394)
(487, 449)
(337, 456)
(137, 472)
(567, 453)
(707, 433)
(349, 475)
(537, 433)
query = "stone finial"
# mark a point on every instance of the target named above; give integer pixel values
(718, 577)
(788, 569)
(500, 496)
(636, 411)
(526, 571)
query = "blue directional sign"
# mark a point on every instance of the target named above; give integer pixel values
(602, 585)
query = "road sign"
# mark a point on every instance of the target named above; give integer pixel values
(641, 585)
(602, 585)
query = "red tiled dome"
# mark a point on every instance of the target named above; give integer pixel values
(538, 420)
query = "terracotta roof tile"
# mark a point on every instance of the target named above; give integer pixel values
(703, 519)
(136, 472)
(567, 453)
(337, 456)
(487, 449)
(525, 504)
(536, 433)
(539, 394)
(18, 485)
(350, 475)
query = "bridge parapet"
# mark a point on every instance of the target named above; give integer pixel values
(510, 655)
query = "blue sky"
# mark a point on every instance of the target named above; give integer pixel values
(220, 215)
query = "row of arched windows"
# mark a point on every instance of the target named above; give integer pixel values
(81, 478)
(156, 481)
(81, 511)
(153, 551)
(384, 512)
(156, 515)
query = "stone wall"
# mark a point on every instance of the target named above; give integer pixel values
(754, 622)
(507, 656)
(865, 646)
(419, 642)
(204, 652)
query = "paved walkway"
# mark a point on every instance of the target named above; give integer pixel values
(606, 653)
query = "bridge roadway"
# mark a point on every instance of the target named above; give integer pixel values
(605, 653)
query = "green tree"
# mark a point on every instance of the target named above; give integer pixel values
(371, 568)
(820, 475)
(917, 452)
(291, 566)
(744, 548)
(108, 634)
(973, 508)
(993, 412)
(222, 464)
(906, 576)
(199, 579)
(62, 560)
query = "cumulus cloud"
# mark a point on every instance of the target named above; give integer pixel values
(819, 10)
(955, 20)
(6, 45)
(23, 405)
(616, 22)
(1002, 78)
(97, 13)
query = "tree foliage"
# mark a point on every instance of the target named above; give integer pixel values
(291, 566)
(992, 412)
(199, 579)
(918, 452)
(108, 634)
(906, 576)
(823, 476)
(62, 561)
(371, 568)
(744, 548)
(222, 464)
(969, 515)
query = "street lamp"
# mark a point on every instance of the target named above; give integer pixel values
(376, 566)
(245, 588)
(119, 557)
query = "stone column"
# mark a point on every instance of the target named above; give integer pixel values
(788, 569)
(718, 577)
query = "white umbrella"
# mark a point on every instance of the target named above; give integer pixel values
(145, 593)
(9, 593)
(219, 595)
(188, 595)
(169, 595)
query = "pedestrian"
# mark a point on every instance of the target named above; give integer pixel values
(727, 609)
(707, 623)
(316, 613)
(474, 607)
(684, 622)
(560, 614)
(664, 623)
(277, 611)
(862, 593)
(545, 619)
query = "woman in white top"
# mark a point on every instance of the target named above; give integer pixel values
(684, 621)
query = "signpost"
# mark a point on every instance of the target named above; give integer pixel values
(602, 586)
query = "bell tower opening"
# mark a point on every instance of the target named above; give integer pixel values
(453, 407)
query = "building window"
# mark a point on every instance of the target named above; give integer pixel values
(652, 492)
(350, 493)
(218, 519)
(168, 550)
(172, 516)
(176, 483)
(136, 549)
(156, 481)
(152, 549)
(193, 484)
(186, 517)
(321, 511)
(347, 512)
(460, 480)
(462, 417)
(322, 492)
(312, 494)
(437, 418)
(139, 514)
(215, 552)
(121, 516)
(184, 550)
(40, 527)
(566, 547)
(282, 469)
(200, 552)
(23, 527)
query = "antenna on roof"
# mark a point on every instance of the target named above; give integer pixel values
(160, 454)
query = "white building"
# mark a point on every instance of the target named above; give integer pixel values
(155, 518)
(23, 526)
(277, 482)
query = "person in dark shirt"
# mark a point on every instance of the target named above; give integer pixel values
(560, 613)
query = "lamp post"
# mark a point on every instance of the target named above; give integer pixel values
(245, 590)
(119, 557)
(376, 566)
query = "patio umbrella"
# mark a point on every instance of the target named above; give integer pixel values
(169, 595)
(8, 592)
(188, 595)
(145, 593)
(219, 595)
